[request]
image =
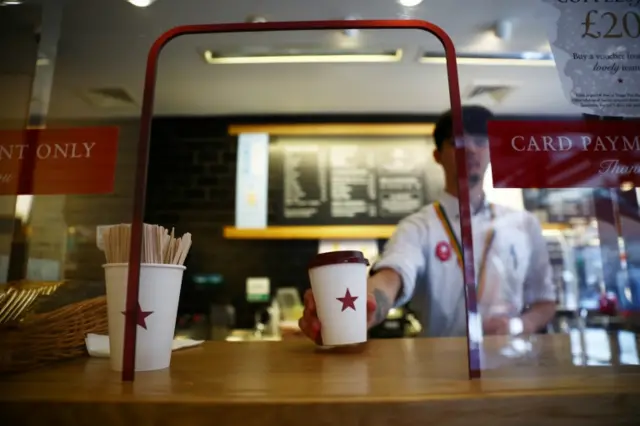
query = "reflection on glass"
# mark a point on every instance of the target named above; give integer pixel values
(504, 269)
(507, 197)
(597, 347)
(23, 207)
(517, 347)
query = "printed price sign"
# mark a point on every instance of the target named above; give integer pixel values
(596, 46)
(616, 25)
(58, 161)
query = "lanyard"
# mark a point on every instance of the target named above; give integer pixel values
(457, 247)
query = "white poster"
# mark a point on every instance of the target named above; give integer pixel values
(596, 47)
(252, 180)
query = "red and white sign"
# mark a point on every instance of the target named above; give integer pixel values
(58, 161)
(443, 251)
(565, 154)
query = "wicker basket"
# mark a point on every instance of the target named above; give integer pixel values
(53, 336)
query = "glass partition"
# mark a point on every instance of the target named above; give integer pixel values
(555, 266)
(583, 275)
(561, 232)
(20, 48)
(324, 175)
(195, 157)
(557, 227)
(68, 157)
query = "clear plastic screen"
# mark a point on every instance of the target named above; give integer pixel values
(193, 173)
(95, 80)
(565, 305)
(586, 276)
(70, 154)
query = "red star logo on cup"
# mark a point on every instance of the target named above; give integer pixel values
(348, 301)
(141, 316)
(443, 251)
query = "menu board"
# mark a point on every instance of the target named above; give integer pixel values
(305, 187)
(352, 179)
(401, 180)
(375, 181)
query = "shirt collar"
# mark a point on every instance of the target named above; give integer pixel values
(451, 206)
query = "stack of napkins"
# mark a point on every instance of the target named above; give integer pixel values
(98, 345)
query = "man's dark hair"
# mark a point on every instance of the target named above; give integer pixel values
(474, 120)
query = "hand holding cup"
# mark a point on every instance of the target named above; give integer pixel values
(338, 308)
(310, 324)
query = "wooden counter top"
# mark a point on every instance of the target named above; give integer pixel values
(389, 382)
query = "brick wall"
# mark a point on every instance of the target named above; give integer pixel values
(192, 186)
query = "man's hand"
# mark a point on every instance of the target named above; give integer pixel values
(310, 324)
(501, 326)
(496, 326)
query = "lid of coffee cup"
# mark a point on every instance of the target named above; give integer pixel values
(338, 257)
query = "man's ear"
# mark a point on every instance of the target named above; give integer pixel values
(436, 156)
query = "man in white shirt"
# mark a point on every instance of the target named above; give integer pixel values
(421, 263)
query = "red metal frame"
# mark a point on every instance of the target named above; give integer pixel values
(145, 133)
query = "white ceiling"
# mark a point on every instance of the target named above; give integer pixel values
(104, 44)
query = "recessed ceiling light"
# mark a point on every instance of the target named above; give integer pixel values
(295, 56)
(409, 3)
(141, 3)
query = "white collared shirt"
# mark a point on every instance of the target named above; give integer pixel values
(518, 272)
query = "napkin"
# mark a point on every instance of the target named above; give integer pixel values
(98, 345)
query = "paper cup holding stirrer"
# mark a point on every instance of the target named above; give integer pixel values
(161, 273)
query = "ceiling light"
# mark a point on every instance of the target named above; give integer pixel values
(409, 3)
(372, 57)
(10, 2)
(141, 3)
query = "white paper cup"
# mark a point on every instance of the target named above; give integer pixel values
(339, 285)
(158, 295)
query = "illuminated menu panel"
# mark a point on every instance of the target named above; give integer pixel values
(350, 182)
